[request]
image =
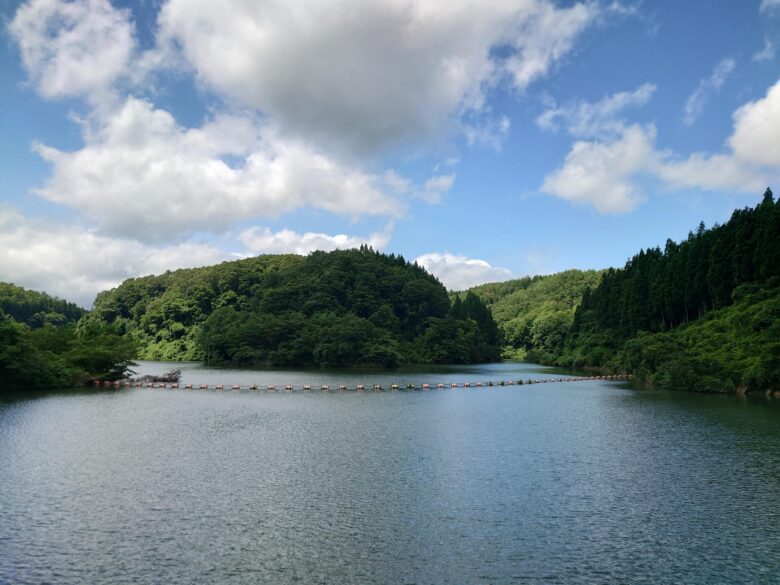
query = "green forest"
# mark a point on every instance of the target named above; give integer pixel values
(700, 315)
(45, 343)
(343, 308)
(536, 312)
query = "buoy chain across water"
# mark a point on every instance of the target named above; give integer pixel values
(358, 387)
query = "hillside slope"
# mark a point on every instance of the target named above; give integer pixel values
(342, 308)
(701, 314)
(536, 312)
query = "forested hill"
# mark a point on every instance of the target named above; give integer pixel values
(703, 314)
(342, 308)
(36, 309)
(536, 312)
(41, 345)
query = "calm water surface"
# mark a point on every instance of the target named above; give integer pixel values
(583, 482)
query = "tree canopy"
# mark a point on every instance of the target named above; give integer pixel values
(536, 312)
(36, 309)
(45, 343)
(341, 308)
(707, 306)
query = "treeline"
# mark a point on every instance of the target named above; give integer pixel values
(669, 314)
(43, 346)
(342, 308)
(163, 314)
(537, 312)
(36, 309)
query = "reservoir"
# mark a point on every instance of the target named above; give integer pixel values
(582, 482)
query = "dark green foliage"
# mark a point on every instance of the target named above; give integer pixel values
(342, 308)
(36, 309)
(60, 356)
(735, 348)
(700, 315)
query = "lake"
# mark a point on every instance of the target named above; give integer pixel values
(582, 482)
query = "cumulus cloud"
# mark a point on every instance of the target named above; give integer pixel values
(73, 48)
(76, 264)
(593, 119)
(264, 241)
(694, 105)
(337, 77)
(767, 5)
(364, 76)
(141, 174)
(753, 160)
(460, 272)
(603, 172)
(600, 173)
(757, 130)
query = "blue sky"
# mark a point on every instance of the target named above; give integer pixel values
(487, 140)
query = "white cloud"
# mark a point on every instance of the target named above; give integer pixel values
(712, 172)
(264, 241)
(767, 5)
(603, 172)
(587, 119)
(545, 36)
(365, 76)
(757, 130)
(435, 187)
(460, 272)
(140, 174)
(487, 132)
(75, 264)
(73, 48)
(600, 173)
(337, 77)
(753, 161)
(767, 53)
(694, 105)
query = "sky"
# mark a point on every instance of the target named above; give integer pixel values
(485, 139)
